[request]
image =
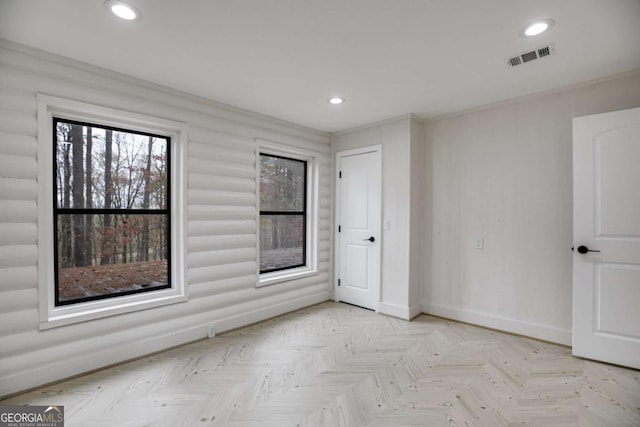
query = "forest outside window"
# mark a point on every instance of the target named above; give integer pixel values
(111, 223)
(111, 212)
(283, 213)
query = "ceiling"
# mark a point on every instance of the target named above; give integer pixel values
(285, 58)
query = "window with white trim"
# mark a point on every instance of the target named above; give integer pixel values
(287, 218)
(112, 240)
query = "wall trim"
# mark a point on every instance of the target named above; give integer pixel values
(264, 313)
(415, 311)
(531, 96)
(56, 372)
(533, 330)
(38, 376)
(410, 116)
(228, 111)
(399, 311)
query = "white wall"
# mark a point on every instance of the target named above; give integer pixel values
(504, 173)
(221, 230)
(396, 137)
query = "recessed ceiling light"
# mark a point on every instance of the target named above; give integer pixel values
(336, 100)
(123, 10)
(537, 27)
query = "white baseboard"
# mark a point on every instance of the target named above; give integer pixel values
(263, 313)
(399, 311)
(414, 311)
(533, 330)
(59, 370)
(68, 368)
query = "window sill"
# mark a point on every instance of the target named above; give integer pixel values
(267, 279)
(84, 312)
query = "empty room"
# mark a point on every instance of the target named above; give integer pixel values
(319, 213)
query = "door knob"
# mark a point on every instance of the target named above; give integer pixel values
(371, 239)
(583, 250)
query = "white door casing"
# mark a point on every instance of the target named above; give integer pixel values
(606, 218)
(358, 214)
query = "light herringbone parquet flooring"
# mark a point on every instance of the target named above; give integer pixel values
(338, 365)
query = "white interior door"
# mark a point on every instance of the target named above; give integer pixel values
(359, 188)
(606, 218)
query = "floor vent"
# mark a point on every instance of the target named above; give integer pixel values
(541, 52)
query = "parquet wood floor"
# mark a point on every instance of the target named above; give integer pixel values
(339, 365)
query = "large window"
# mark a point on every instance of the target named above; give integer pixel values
(283, 213)
(111, 203)
(111, 212)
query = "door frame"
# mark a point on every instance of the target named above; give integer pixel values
(337, 215)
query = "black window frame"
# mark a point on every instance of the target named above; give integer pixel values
(290, 213)
(110, 211)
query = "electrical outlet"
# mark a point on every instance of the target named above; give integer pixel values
(478, 243)
(386, 224)
(212, 331)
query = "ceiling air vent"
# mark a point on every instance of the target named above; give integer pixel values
(544, 51)
(515, 61)
(529, 56)
(541, 52)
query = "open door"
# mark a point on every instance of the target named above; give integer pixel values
(606, 235)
